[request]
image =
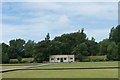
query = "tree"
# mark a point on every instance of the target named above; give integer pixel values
(41, 51)
(103, 45)
(111, 33)
(92, 47)
(109, 48)
(0, 53)
(39, 57)
(29, 48)
(82, 31)
(75, 43)
(112, 51)
(93, 39)
(69, 41)
(47, 37)
(17, 48)
(80, 51)
(115, 34)
(5, 50)
(119, 51)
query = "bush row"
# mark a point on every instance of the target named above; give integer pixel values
(24, 60)
(94, 58)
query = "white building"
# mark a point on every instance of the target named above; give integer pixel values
(61, 58)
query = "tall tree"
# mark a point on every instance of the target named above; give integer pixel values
(69, 41)
(29, 48)
(112, 51)
(5, 50)
(119, 51)
(0, 53)
(17, 48)
(115, 34)
(47, 37)
(103, 45)
(92, 47)
(80, 51)
(41, 51)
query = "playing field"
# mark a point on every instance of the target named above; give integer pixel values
(74, 73)
(96, 73)
(7, 66)
(81, 64)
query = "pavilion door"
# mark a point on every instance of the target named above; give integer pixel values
(61, 59)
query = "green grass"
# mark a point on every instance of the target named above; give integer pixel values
(8, 67)
(95, 73)
(78, 73)
(81, 64)
(16, 65)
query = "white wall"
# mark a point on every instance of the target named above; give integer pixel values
(62, 56)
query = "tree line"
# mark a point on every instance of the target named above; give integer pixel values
(75, 43)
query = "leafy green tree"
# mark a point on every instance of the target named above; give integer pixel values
(103, 45)
(41, 50)
(17, 48)
(83, 49)
(39, 57)
(5, 50)
(29, 48)
(69, 41)
(54, 47)
(119, 51)
(112, 51)
(115, 34)
(0, 53)
(80, 51)
(75, 43)
(109, 48)
(92, 47)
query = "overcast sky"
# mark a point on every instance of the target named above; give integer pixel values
(33, 20)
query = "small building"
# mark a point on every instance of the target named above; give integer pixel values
(61, 58)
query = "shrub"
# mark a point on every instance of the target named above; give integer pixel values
(13, 61)
(24, 60)
(86, 59)
(97, 58)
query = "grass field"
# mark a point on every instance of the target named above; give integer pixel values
(76, 73)
(81, 64)
(96, 73)
(17, 65)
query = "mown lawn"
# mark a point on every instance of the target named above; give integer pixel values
(78, 73)
(87, 73)
(17, 65)
(8, 67)
(81, 64)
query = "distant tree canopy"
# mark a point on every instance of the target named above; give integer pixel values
(115, 34)
(75, 43)
(29, 48)
(5, 50)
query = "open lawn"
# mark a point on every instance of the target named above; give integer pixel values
(95, 73)
(81, 64)
(17, 65)
(74, 73)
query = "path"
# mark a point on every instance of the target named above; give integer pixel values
(21, 68)
(67, 68)
(55, 68)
